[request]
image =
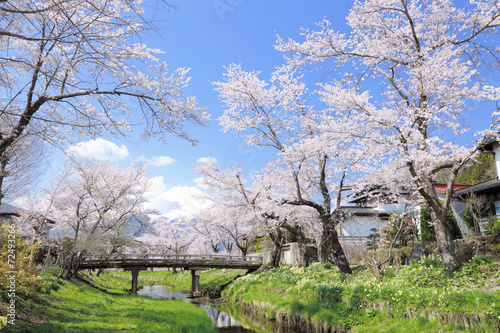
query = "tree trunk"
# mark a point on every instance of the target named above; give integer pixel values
(278, 244)
(445, 243)
(69, 268)
(324, 248)
(243, 247)
(47, 259)
(335, 249)
(4, 160)
(303, 256)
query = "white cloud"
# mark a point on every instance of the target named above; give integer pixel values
(178, 202)
(100, 149)
(206, 159)
(157, 160)
(157, 187)
(199, 181)
(162, 160)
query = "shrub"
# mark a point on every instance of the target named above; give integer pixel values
(409, 231)
(494, 226)
(17, 256)
(51, 283)
(328, 292)
(482, 259)
(389, 273)
(430, 261)
(373, 239)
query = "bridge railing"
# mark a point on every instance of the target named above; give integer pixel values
(173, 257)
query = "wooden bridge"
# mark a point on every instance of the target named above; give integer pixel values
(194, 263)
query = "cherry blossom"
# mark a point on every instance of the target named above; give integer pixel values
(400, 83)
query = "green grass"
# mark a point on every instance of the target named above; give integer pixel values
(78, 307)
(406, 299)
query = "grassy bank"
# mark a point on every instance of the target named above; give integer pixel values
(78, 307)
(210, 280)
(421, 297)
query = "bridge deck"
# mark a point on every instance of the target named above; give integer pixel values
(140, 261)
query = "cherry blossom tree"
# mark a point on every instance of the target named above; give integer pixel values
(100, 206)
(429, 59)
(278, 115)
(301, 221)
(232, 214)
(205, 223)
(70, 67)
(249, 206)
(168, 236)
(21, 167)
(33, 221)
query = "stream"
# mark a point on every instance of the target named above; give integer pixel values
(225, 319)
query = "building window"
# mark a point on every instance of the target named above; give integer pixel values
(497, 208)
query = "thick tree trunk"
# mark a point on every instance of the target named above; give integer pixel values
(276, 251)
(243, 250)
(335, 249)
(276, 255)
(444, 240)
(303, 257)
(243, 247)
(324, 249)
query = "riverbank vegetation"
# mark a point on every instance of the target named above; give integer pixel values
(420, 297)
(101, 304)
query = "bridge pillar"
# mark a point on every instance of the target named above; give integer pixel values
(195, 283)
(135, 278)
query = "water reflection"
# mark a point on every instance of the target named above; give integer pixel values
(222, 321)
(161, 292)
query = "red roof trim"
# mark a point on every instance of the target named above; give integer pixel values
(441, 187)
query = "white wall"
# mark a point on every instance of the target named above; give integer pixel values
(361, 225)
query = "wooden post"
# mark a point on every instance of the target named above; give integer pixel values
(195, 283)
(135, 278)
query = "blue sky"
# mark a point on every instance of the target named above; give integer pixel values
(205, 36)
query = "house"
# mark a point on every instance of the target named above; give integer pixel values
(7, 212)
(367, 211)
(373, 210)
(41, 227)
(457, 207)
(488, 190)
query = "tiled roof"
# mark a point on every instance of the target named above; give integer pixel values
(6, 209)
